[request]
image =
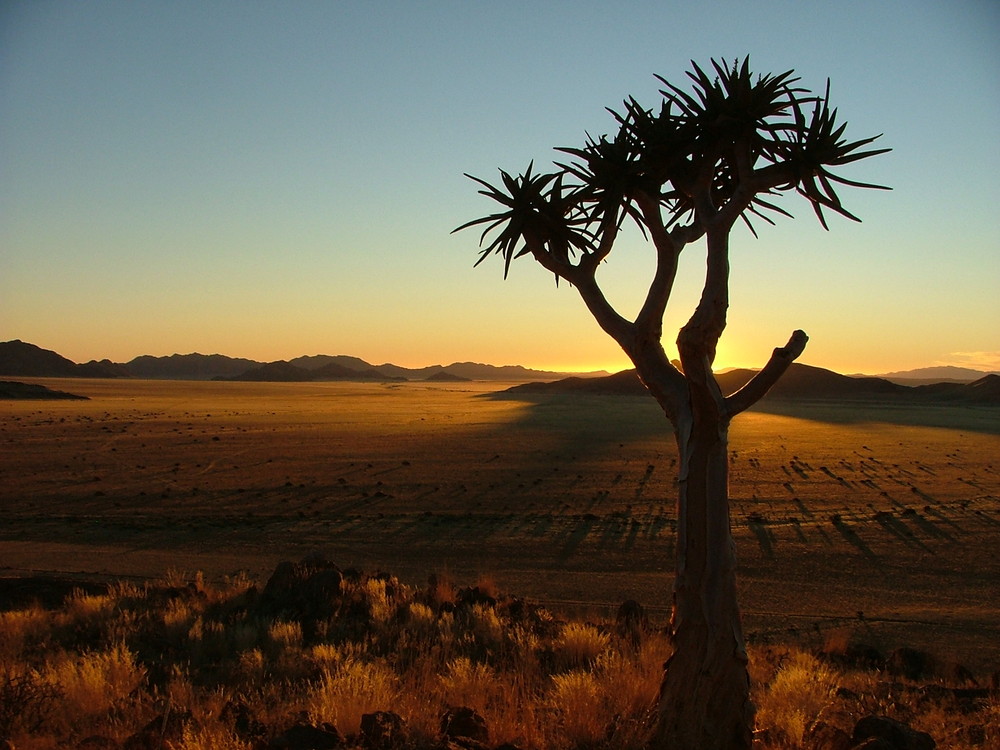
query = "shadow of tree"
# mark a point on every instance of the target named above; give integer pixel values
(852, 538)
(985, 419)
(589, 419)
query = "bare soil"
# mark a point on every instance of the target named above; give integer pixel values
(882, 521)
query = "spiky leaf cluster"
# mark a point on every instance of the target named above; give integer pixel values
(718, 152)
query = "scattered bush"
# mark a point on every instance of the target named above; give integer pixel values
(244, 669)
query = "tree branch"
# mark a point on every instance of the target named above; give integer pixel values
(609, 233)
(697, 340)
(761, 383)
(548, 260)
(649, 321)
(610, 321)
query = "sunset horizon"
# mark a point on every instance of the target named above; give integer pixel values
(272, 206)
(975, 361)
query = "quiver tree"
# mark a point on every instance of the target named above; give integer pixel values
(688, 171)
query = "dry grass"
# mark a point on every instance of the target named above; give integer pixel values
(801, 692)
(224, 476)
(562, 499)
(195, 651)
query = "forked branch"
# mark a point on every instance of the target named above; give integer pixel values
(761, 383)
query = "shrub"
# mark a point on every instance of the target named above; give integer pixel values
(579, 644)
(26, 701)
(584, 714)
(211, 737)
(20, 628)
(802, 688)
(468, 684)
(354, 687)
(92, 683)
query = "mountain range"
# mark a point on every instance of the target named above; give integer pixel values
(21, 359)
(799, 383)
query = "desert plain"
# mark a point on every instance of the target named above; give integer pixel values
(877, 520)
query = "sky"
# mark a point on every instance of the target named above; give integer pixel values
(269, 180)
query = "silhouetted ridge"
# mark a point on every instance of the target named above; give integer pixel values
(192, 366)
(12, 390)
(443, 376)
(334, 371)
(800, 383)
(807, 382)
(940, 374)
(272, 372)
(286, 372)
(27, 360)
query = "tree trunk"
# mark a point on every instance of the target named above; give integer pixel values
(704, 701)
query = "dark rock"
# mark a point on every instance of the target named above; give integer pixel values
(972, 734)
(381, 730)
(13, 390)
(823, 736)
(911, 663)
(160, 732)
(897, 734)
(631, 621)
(472, 595)
(463, 722)
(847, 694)
(462, 743)
(307, 590)
(244, 723)
(96, 742)
(860, 655)
(959, 674)
(875, 743)
(307, 737)
(966, 700)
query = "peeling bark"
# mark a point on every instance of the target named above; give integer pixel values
(704, 700)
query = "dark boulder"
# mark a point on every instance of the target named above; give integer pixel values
(823, 736)
(911, 663)
(898, 735)
(307, 737)
(160, 732)
(631, 622)
(464, 723)
(95, 742)
(304, 591)
(382, 730)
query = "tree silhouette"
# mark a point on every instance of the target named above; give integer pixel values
(704, 160)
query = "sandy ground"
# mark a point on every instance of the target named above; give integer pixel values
(879, 521)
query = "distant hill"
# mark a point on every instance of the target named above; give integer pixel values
(800, 382)
(286, 372)
(271, 372)
(464, 370)
(807, 382)
(957, 385)
(624, 383)
(103, 369)
(927, 375)
(334, 371)
(27, 360)
(21, 359)
(319, 361)
(444, 376)
(188, 366)
(13, 390)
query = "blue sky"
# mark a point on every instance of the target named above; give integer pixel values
(275, 179)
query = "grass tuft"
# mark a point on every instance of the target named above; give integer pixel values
(107, 665)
